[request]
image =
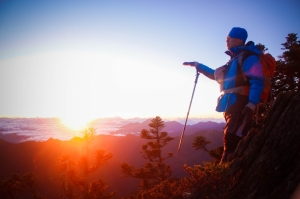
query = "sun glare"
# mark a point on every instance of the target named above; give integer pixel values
(75, 122)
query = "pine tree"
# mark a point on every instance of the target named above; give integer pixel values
(20, 186)
(155, 170)
(76, 179)
(200, 142)
(287, 72)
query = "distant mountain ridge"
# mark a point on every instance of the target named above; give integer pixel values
(174, 128)
(17, 130)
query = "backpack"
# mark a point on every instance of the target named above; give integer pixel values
(268, 64)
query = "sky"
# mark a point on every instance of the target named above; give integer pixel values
(80, 60)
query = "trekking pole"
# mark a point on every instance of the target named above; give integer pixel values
(183, 130)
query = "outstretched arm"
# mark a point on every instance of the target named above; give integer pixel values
(205, 70)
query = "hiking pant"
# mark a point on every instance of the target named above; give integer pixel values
(235, 129)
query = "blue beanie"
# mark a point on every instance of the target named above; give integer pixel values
(239, 33)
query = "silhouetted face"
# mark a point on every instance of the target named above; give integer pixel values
(233, 42)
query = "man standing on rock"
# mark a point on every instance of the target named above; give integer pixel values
(241, 85)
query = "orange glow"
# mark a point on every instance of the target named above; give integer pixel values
(76, 123)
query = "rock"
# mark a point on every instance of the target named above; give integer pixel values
(266, 163)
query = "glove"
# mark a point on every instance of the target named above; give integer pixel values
(248, 111)
(192, 64)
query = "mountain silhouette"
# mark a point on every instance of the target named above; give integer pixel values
(172, 127)
(41, 157)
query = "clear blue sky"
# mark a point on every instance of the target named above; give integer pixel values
(124, 58)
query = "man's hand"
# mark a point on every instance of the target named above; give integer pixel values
(192, 64)
(248, 111)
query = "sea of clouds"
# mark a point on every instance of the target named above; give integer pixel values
(41, 129)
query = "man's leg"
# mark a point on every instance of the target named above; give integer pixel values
(231, 140)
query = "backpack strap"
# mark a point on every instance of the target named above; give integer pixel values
(242, 57)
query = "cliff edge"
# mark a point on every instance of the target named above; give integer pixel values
(266, 163)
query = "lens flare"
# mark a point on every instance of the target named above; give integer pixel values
(76, 123)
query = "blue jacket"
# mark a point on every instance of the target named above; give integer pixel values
(252, 70)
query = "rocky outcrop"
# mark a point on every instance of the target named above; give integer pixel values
(266, 163)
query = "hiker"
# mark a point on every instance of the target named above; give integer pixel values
(241, 88)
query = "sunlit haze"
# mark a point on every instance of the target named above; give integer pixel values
(80, 60)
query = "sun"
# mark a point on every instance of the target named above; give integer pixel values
(76, 123)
